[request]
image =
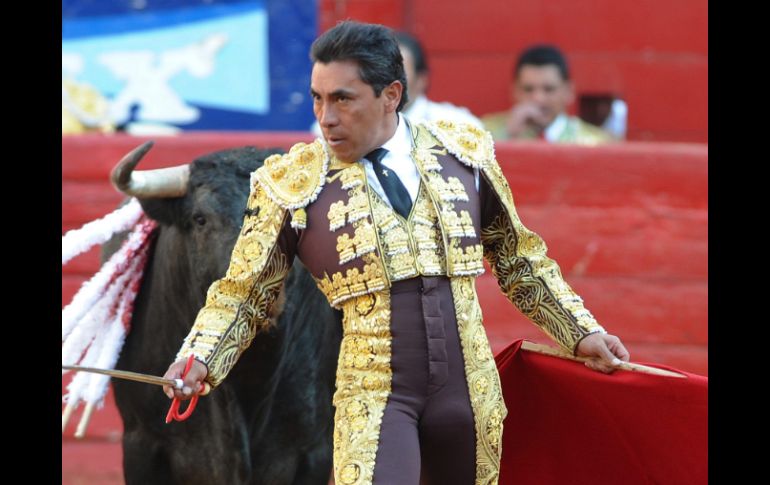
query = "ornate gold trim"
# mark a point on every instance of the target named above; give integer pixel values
(363, 242)
(340, 288)
(484, 387)
(356, 209)
(530, 280)
(237, 305)
(296, 178)
(471, 145)
(442, 194)
(364, 377)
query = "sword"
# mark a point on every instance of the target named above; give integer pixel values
(135, 376)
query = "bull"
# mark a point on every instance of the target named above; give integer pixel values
(271, 420)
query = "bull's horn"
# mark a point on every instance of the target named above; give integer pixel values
(162, 182)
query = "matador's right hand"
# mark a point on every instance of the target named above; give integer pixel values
(192, 381)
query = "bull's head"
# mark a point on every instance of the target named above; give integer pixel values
(199, 205)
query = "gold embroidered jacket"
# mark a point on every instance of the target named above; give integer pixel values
(308, 204)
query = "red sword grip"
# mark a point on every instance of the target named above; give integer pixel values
(173, 411)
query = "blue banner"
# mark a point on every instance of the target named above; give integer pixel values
(194, 65)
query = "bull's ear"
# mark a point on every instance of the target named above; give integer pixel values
(164, 210)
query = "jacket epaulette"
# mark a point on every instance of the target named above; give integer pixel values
(471, 145)
(294, 180)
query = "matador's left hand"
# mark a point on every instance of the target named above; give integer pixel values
(605, 351)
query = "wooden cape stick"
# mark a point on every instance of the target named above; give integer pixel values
(554, 352)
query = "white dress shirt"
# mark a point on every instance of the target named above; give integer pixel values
(553, 131)
(399, 160)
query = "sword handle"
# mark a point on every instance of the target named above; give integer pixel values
(173, 411)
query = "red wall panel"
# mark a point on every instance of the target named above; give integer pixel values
(653, 54)
(386, 12)
(505, 26)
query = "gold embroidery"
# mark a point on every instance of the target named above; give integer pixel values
(345, 248)
(425, 144)
(364, 378)
(395, 241)
(340, 288)
(410, 248)
(251, 315)
(296, 178)
(352, 176)
(468, 260)
(402, 267)
(451, 189)
(457, 225)
(357, 208)
(425, 155)
(393, 234)
(442, 194)
(471, 145)
(528, 278)
(426, 234)
(356, 213)
(237, 305)
(299, 219)
(337, 212)
(484, 387)
(363, 242)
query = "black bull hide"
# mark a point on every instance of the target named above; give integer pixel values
(271, 420)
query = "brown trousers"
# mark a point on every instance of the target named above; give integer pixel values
(427, 434)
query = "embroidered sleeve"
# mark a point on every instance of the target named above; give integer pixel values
(529, 279)
(238, 305)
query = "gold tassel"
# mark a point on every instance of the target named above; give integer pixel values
(299, 219)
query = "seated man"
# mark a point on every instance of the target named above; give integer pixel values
(418, 107)
(543, 90)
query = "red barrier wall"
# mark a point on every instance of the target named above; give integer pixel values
(653, 54)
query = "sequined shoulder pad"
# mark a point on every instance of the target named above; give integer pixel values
(470, 144)
(295, 179)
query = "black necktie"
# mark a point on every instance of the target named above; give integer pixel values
(397, 194)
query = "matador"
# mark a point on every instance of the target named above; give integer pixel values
(394, 220)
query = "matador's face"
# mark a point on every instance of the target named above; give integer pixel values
(352, 119)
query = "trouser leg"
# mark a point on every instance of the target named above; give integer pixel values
(427, 430)
(448, 439)
(447, 432)
(398, 452)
